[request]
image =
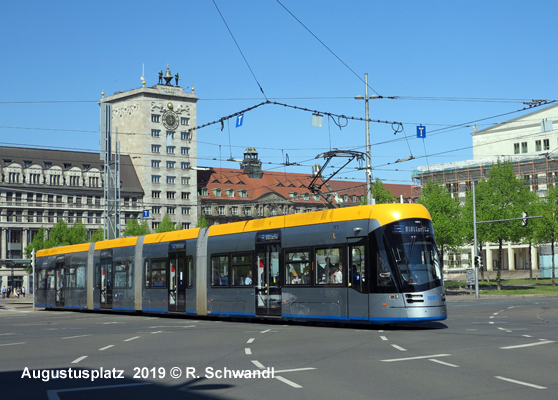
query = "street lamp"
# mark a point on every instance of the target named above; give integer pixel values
(369, 198)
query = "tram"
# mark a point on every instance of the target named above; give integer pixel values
(374, 264)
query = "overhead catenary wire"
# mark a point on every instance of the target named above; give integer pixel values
(240, 50)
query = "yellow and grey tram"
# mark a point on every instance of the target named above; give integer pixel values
(368, 264)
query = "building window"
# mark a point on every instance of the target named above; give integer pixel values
(155, 178)
(185, 225)
(516, 148)
(93, 181)
(170, 195)
(155, 194)
(155, 118)
(185, 150)
(538, 146)
(221, 210)
(207, 210)
(74, 180)
(170, 135)
(186, 210)
(155, 163)
(185, 165)
(171, 210)
(185, 180)
(155, 148)
(155, 132)
(156, 210)
(170, 164)
(13, 177)
(184, 121)
(230, 193)
(546, 144)
(170, 149)
(217, 192)
(243, 193)
(55, 180)
(204, 192)
(34, 179)
(524, 147)
(170, 179)
(186, 135)
(247, 211)
(234, 210)
(185, 195)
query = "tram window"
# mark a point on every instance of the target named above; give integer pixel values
(190, 262)
(80, 277)
(241, 270)
(71, 278)
(42, 279)
(357, 276)
(329, 266)
(50, 279)
(220, 270)
(156, 273)
(123, 275)
(297, 267)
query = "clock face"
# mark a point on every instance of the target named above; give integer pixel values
(169, 120)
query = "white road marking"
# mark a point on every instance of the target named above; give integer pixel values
(444, 363)
(73, 337)
(398, 347)
(106, 347)
(12, 344)
(520, 383)
(258, 364)
(267, 330)
(383, 338)
(294, 370)
(251, 340)
(415, 358)
(288, 382)
(247, 350)
(527, 345)
(132, 338)
(79, 359)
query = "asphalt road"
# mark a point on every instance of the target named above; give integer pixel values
(488, 348)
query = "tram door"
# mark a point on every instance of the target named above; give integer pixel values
(358, 280)
(105, 278)
(177, 277)
(267, 284)
(59, 283)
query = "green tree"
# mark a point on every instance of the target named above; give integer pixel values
(134, 228)
(166, 225)
(546, 228)
(445, 212)
(98, 235)
(380, 194)
(38, 243)
(202, 222)
(502, 196)
(77, 234)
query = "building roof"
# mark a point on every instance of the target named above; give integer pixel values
(64, 159)
(284, 185)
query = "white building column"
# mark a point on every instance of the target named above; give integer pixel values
(511, 258)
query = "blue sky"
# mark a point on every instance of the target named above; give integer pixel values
(448, 62)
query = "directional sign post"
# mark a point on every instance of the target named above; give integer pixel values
(421, 132)
(239, 120)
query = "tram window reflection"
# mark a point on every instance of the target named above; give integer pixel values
(156, 273)
(297, 267)
(220, 270)
(241, 269)
(328, 262)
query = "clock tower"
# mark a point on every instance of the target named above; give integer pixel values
(154, 126)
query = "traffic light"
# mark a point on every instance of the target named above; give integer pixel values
(478, 262)
(524, 220)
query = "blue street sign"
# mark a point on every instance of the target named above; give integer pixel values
(145, 213)
(239, 120)
(421, 132)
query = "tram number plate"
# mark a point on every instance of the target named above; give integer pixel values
(470, 276)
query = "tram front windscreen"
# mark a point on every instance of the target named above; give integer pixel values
(413, 251)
